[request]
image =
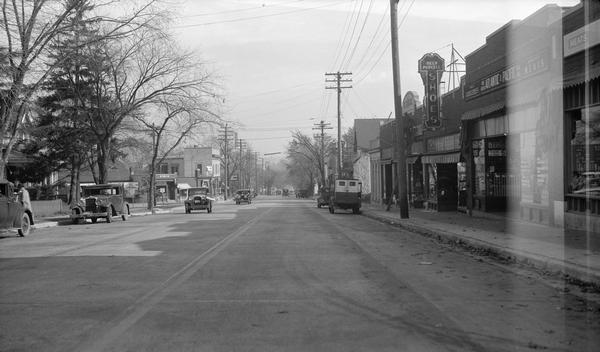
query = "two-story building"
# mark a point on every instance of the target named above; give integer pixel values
(194, 167)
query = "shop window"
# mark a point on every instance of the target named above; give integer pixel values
(585, 155)
(496, 167)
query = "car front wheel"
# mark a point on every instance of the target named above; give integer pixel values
(25, 226)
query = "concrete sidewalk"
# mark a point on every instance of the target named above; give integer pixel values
(574, 254)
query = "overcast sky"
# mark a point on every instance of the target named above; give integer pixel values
(272, 55)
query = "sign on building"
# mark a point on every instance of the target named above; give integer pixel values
(431, 68)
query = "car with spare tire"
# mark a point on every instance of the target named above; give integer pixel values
(104, 201)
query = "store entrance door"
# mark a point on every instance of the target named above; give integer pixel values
(447, 190)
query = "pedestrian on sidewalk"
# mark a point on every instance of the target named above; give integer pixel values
(23, 197)
(392, 199)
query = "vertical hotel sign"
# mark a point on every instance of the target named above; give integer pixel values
(431, 68)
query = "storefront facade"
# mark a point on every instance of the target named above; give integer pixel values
(512, 120)
(581, 93)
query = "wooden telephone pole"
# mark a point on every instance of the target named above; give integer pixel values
(339, 78)
(400, 143)
(322, 126)
(225, 139)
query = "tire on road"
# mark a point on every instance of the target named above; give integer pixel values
(25, 226)
(125, 213)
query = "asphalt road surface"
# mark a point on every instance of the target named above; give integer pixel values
(275, 275)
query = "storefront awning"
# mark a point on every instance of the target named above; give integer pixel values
(412, 159)
(183, 186)
(450, 158)
(577, 78)
(476, 113)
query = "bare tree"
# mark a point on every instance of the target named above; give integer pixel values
(172, 123)
(315, 151)
(29, 27)
(148, 70)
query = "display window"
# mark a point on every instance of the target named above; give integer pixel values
(496, 167)
(585, 155)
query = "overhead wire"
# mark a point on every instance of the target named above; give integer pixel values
(362, 28)
(279, 90)
(241, 10)
(343, 33)
(387, 47)
(259, 16)
(352, 34)
(367, 50)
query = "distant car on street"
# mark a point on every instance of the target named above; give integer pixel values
(13, 214)
(198, 198)
(100, 201)
(243, 195)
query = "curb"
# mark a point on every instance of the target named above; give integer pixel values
(570, 271)
(48, 224)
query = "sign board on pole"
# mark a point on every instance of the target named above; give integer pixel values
(431, 68)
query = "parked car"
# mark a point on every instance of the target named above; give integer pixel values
(100, 201)
(345, 194)
(12, 213)
(323, 198)
(198, 198)
(243, 195)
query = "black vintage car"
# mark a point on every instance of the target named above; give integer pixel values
(243, 195)
(198, 198)
(100, 201)
(12, 213)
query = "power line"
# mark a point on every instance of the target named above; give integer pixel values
(352, 35)
(379, 26)
(259, 16)
(343, 33)
(360, 33)
(388, 45)
(240, 10)
(279, 90)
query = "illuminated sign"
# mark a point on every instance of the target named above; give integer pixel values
(431, 68)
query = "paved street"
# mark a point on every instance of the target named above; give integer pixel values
(274, 275)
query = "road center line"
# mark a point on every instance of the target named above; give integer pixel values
(99, 341)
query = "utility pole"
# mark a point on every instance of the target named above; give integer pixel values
(339, 78)
(322, 126)
(400, 143)
(241, 183)
(256, 172)
(226, 152)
